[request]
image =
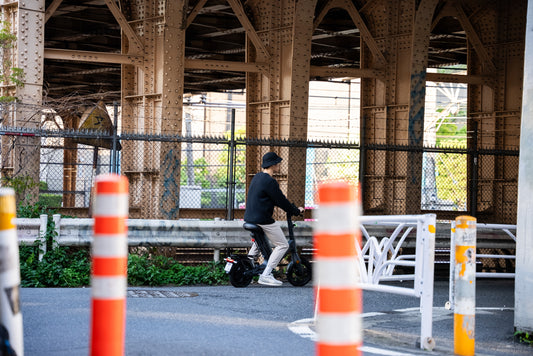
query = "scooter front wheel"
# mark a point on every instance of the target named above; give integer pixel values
(299, 274)
(237, 276)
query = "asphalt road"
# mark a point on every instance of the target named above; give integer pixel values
(257, 320)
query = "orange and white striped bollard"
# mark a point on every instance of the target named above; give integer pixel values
(10, 314)
(336, 271)
(465, 286)
(109, 265)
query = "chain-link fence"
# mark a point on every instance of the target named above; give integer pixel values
(211, 173)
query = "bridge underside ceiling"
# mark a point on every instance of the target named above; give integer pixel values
(215, 34)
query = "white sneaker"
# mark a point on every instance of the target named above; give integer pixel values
(269, 280)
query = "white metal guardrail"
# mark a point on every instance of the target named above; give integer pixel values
(381, 256)
(505, 230)
(215, 234)
(28, 230)
(510, 232)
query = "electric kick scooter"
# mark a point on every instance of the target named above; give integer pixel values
(242, 268)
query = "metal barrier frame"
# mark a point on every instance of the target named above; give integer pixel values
(506, 228)
(378, 259)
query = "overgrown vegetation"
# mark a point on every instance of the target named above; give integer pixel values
(69, 267)
(26, 209)
(59, 267)
(145, 270)
(524, 337)
(9, 75)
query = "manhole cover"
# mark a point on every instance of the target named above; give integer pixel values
(141, 293)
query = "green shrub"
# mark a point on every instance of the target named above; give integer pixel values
(67, 267)
(60, 267)
(161, 270)
(524, 337)
(50, 200)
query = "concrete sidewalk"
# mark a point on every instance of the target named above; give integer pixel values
(392, 323)
(400, 327)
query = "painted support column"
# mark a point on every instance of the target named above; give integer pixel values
(300, 68)
(417, 100)
(10, 315)
(172, 107)
(465, 286)
(336, 272)
(30, 58)
(277, 99)
(523, 316)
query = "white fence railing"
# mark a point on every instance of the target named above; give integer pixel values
(380, 257)
(508, 231)
(501, 230)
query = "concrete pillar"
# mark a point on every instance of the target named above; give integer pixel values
(523, 316)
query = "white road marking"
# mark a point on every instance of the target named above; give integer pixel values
(303, 329)
(383, 352)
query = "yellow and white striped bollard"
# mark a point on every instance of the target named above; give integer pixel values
(465, 286)
(10, 314)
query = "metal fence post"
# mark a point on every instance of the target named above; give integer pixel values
(465, 286)
(474, 169)
(230, 198)
(426, 247)
(114, 164)
(451, 290)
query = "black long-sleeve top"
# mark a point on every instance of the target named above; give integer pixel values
(263, 195)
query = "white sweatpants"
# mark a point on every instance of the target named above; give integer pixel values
(277, 239)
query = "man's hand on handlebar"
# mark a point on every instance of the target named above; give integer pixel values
(301, 210)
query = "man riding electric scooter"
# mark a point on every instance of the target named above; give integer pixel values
(263, 195)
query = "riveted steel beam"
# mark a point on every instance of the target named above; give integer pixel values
(419, 59)
(136, 46)
(474, 39)
(495, 111)
(51, 9)
(299, 85)
(30, 43)
(226, 65)
(457, 78)
(250, 31)
(358, 21)
(194, 12)
(317, 71)
(89, 56)
(173, 49)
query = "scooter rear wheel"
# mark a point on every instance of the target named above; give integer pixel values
(299, 274)
(237, 276)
